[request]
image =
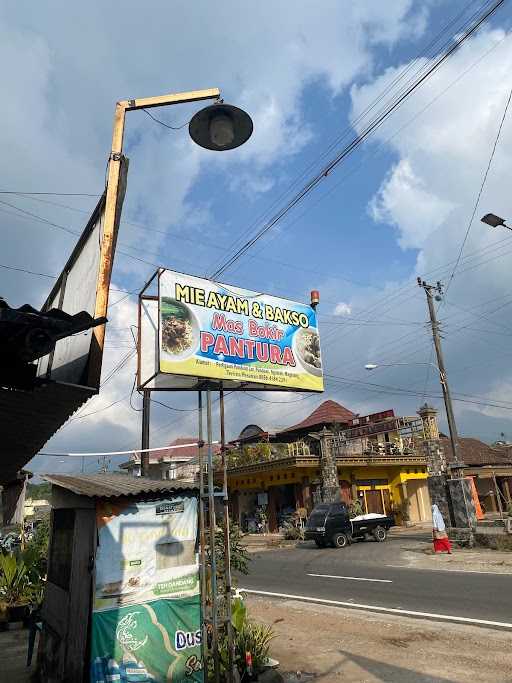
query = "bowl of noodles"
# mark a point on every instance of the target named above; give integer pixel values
(307, 350)
(179, 329)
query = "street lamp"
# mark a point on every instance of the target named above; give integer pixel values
(494, 221)
(218, 127)
(373, 366)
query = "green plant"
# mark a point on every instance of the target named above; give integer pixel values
(239, 556)
(248, 637)
(35, 554)
(405, 507)
(15, 585)
(355, 508)
(254, 638)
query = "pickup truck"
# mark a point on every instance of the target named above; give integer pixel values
(330, 524)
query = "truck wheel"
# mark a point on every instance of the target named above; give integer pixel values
(340, 540)
(380, 534)
(320, 544)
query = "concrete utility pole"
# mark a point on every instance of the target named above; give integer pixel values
(462, 507)
(454, 439)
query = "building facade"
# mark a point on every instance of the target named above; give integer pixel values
(178, 461)
(379, 461)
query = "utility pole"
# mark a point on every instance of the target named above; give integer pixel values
(454, 439)
(462, 508)
(144, 456)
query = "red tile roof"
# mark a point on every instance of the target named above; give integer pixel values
(328, 412)
(475, 453)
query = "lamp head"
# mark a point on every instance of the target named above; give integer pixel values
(220, 127)
(493, 220)
(370, 366)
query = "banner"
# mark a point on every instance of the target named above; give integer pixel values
(146, 622)
(221, 332)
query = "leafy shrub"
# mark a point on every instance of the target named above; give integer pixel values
(15, 585)
(355, 508)
(293, 533)
(248, 637)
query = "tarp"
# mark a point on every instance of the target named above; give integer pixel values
(146, 622)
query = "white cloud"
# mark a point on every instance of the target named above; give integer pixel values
(403, 200)
(66, 69)
(441, 140)
(342, 308)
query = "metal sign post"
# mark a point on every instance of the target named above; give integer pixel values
(227, 548)
(202, 535)
(212, 523)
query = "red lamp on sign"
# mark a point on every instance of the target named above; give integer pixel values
(315, 298)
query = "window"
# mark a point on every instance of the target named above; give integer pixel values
(63, 528)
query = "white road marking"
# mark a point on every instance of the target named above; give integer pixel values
(441, 569)
(351, 578)
(378, 608)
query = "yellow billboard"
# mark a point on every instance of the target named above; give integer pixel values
(220, 332)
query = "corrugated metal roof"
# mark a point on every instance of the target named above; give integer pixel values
(113, 485)
(29, 418)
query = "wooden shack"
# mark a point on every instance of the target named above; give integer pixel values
(81, 505)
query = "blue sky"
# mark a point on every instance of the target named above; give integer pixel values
(397, 208)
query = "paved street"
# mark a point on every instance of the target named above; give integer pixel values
(379, 575)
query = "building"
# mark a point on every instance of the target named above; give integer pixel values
(36, 508)
(379, 461)
(489, 466)
(178, 461)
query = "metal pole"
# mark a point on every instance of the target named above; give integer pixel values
(454, 439)
(144, 456)
(202, 535)
(227, 548)
(211, 514)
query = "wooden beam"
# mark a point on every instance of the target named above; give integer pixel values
(172, 98)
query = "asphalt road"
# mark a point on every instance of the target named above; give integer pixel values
(308, 572)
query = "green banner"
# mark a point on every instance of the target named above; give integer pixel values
(146, 621)
(153, 641)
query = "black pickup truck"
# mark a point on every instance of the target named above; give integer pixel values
(330, 524)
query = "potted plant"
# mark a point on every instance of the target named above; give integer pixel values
(16, 590)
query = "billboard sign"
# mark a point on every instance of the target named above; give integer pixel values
(215, 331)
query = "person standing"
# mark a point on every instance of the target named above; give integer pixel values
(439, 536)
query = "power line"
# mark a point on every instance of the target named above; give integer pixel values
(51, 194)
(348, 130)
(376, 123)
(484, 179)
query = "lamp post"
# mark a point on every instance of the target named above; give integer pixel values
(218, 127)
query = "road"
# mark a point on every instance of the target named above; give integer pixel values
(374, 575)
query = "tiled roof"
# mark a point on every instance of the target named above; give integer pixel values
(475, 453)
(328, 412)
(112, 485)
